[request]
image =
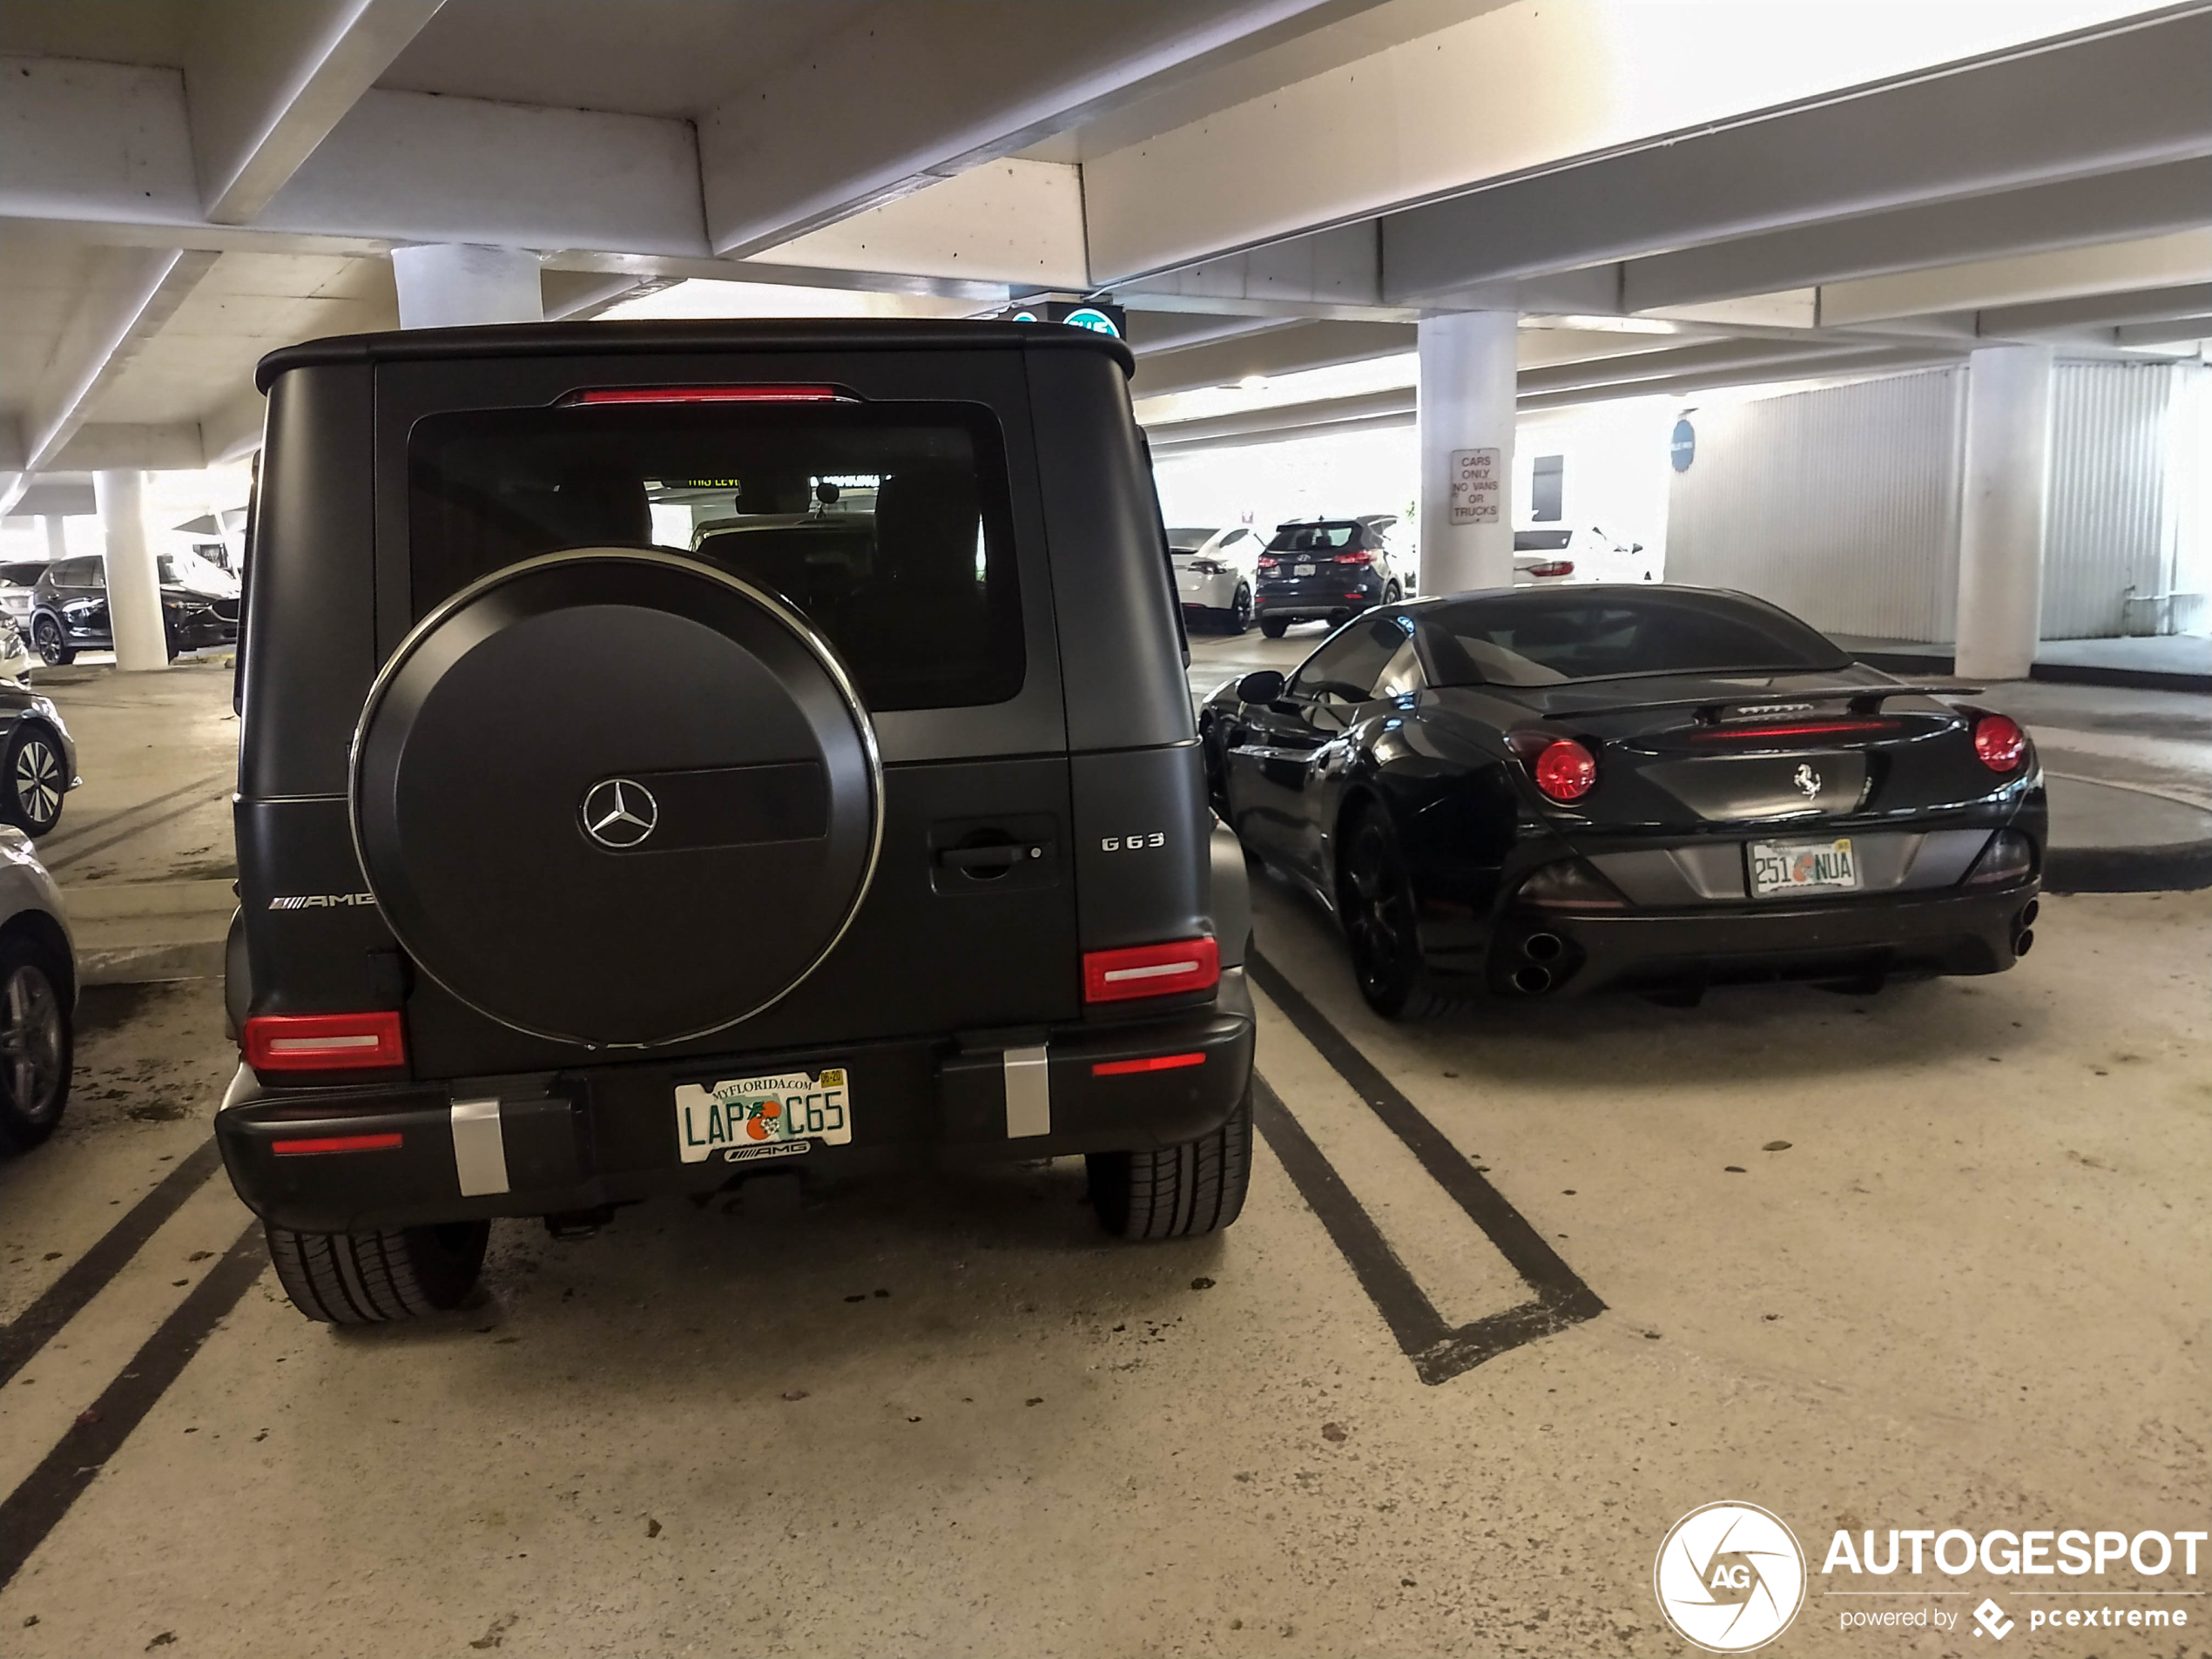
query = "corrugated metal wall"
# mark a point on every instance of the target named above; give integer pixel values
(2110, 529)
(1840, 504)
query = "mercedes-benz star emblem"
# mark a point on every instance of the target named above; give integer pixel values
(619, 812)
(1806, 779)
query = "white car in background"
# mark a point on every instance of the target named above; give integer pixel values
(1549, 555)
(1214, 573)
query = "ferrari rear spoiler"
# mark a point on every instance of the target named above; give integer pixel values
(1863, 699)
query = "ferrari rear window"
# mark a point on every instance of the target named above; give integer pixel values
(888, 529)
(1550, 636)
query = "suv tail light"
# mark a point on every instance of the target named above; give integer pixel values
(1999, 742)
(1151, 970)
(370, 1041)
(1267, 563)
(1359, 558)
(1552, 568)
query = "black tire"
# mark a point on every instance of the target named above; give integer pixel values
(1176, 1191)
(1238, 619)
(33, 778)
(375, 1277)
(1391, 595)
(1274, 627)
(36, 1044)
(1376, 903)
(52, 645)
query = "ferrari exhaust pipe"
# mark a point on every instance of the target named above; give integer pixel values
(1542, 948)
(2026, 942)
(1532, 981)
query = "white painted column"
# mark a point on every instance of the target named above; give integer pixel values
(57, 529)
(133, 583)
(451, 285)
(1468, 365)
(2002, 510)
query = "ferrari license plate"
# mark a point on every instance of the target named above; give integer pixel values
(1803, 866)
(1301, 569)
(763, 1117)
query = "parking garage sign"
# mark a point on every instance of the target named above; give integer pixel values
(1478, 488)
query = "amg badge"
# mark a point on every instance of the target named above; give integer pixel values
(319, 900)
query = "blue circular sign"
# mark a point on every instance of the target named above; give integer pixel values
(1093, 319)
(1682, 448)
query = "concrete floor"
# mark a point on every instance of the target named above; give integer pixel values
(921, 1419)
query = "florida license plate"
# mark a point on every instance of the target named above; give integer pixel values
(763, 1117)
(1301, 569)
(1803, 866)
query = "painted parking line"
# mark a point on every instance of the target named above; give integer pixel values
(86, 1277)
(37, 1504)
(1439, 1352)
(64, 842)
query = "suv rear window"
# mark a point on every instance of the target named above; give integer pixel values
(889, 528)
(1314, 538)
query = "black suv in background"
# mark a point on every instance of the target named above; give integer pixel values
(69, 611)
(1324, 570)
(886, 844)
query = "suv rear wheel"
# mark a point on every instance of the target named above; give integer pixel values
(1176, 1191)
(375, 1277)
(1274, 627)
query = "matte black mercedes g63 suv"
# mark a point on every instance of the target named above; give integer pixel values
(675, 751)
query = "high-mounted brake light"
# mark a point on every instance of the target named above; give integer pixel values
(1999, 742)
(1151, 970)
(314, 1144)
(603, 394)
(1758, 733)
(366, 1042)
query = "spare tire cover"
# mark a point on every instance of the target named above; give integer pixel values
(615, 798)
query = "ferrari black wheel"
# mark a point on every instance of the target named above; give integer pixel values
(1378, 919)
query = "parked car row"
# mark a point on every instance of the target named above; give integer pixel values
(69, 606)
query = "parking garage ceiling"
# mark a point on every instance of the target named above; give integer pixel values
(1672, 197)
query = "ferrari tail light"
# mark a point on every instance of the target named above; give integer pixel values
(1552, 568)
(1999, 742)
(766, 394)
(313, 1145)
(366, 1042)
(1565, 770)
(1151, 970)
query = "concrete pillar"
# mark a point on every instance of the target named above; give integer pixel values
(1467, 364)
(133, 581)
(2002, 509)
(447, 285)
(57, 529)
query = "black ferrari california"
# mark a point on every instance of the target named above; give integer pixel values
(1554, 790)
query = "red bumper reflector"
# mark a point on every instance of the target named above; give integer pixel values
(1151, 1062)
(704, 395)
(1151, 970)
(336, 1143)
(325, 1042)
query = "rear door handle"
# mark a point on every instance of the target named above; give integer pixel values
(981, 861)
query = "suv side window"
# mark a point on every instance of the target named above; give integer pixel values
(888, 527)
(1345, 668)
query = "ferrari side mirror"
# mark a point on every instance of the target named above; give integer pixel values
(1262, 686)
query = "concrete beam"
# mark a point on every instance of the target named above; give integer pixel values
(1984, 285)
(131, 294)
(938, 100)
(234, 429)
(2172, 333)
(1009, 221)
(1745, 359)
(100, 445)
(266, 81)
(1313, 345)
(1283, 417)
(1168, 331)
(2148, 201)
(1895, 359)
(1520, 95)
(2096, 310)
(2134, 97)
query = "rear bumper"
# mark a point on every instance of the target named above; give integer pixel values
(552, 1144)
(1573, 952)
(1304, 600)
